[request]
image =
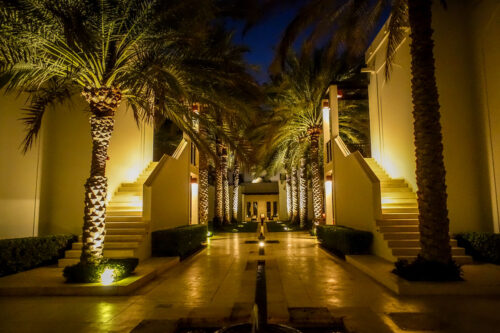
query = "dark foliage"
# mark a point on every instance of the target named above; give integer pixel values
(244, 227)
(178, 242)
(280, 227)
(483, 246)
(21, 254)
(343, 240)
(424, 270)
(90, 273)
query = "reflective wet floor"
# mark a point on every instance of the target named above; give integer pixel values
(217, 286)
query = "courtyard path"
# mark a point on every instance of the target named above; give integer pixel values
(218, 285)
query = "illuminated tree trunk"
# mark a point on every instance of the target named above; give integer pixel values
(317, 184)
(225, 188)
(288, 195)
(103, 104)
(302, 192)
(295, 195)
(430, 171)
(219, 197)
(203, 188)
(236, 186)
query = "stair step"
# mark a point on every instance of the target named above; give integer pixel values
(399, 228)
(395, 190)
(400, 200)
(127, 225)
(67, 262)
(124, 218)
(401, 235)
(399, 195)
(413, 251)
(125, 231)
(119, 253)
(126, 193)
(390, 210)
(126, 189)
(401, 243)
(383, 223)
(123, 238)
(123, 206)
(111, 212)
(109, 245)
(405, 216)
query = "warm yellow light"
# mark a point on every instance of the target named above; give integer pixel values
(194, 189)
(328, 187)
(261, 244)
(108, 276)
(257, 180)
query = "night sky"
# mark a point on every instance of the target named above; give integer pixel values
(262, 39)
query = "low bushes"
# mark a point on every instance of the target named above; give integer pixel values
(482, 246)
(243, 227)
(280, 227)
(423, 270)
(21, 254)
(181, 241)
(107, 271)
(343, 240)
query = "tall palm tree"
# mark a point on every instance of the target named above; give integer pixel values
(352, 23)
(303, 193)
(288, 194)
(296, 97)
(139, 52)
(236, 186)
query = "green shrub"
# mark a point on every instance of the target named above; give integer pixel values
(243, 227)
(21, 254)
(483, 246)
(423, 270)
(81, 273)
(343, 240)
(280, 227)
(181, 241)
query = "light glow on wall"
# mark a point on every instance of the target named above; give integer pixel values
(328, 187)
(194, 189)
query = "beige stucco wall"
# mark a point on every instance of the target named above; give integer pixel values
(469, 150)
(64, 155)
(19, 193)
(167, 192)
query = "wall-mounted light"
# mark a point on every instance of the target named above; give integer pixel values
(194, 186)
(328, 185)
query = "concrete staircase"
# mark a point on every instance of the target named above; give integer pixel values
(399, 222)
(125, 228)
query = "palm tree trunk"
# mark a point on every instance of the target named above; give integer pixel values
(295, 195)
(203, 200)
(203, 188)
(236, 185)
(219, 198)
(103, 104)
(289, 195)
(225, 187)
(317, 184)
(302, 192)
(430, 172)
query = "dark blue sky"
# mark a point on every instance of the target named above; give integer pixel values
(262, 39)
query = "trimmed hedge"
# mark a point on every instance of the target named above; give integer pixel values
(482, 246)
(21, 254)
(181, 241)
(280, 227)
(243, 227)
(90, 273)
(343, 240)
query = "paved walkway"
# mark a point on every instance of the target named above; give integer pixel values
(218, 283)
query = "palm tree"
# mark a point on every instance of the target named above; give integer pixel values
(352, 23)
(236, 183)
(288, 194)
(296, 96)
(303, 193)
(110, 51)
